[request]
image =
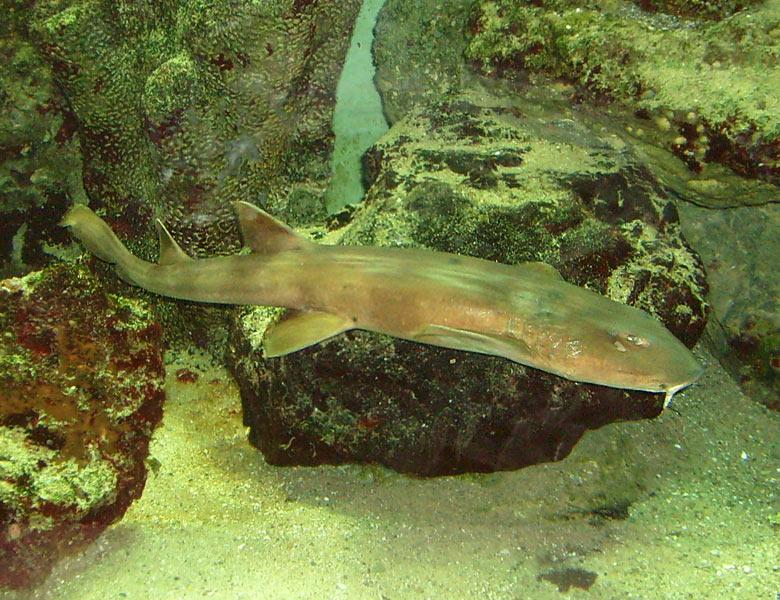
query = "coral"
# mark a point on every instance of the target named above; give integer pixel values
(81, 379)
(181, 107)
(185, 106)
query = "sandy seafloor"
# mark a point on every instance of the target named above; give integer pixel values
(215, 521)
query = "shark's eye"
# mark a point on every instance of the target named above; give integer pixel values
(636, 340)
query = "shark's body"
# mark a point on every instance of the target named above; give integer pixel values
(525, 312)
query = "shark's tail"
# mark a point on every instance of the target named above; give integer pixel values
(97, 237)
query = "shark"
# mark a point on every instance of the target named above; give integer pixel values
(526, 312)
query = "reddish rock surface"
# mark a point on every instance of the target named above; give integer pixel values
(81, 390)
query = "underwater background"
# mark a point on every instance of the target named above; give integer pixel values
(149, 450)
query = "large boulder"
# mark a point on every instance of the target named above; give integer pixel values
(699, 76)
(490, 182)
(81, 390)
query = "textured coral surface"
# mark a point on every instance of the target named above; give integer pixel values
(80, 393)
(185, 106)
(170, 110)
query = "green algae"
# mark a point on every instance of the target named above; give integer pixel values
(68, 483)
(139, 312)
(724, 70)
(24, 485)
(714, 82)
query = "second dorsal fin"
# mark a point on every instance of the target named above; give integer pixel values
(264, 234)
(540, 268)
(170, 252)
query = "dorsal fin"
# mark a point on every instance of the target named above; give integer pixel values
(541, 268)
(264, 234)
(170, 252)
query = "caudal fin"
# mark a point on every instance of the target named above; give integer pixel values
(96, 236)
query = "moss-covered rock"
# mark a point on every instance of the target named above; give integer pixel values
(81, 391)
(493, 183)
(40, 160)
(710, 85)
(706, 9)
(418, 52)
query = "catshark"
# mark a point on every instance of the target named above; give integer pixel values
(525, 312)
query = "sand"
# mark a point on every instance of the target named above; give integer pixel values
(684, 506)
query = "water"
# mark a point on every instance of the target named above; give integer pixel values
(683, 506)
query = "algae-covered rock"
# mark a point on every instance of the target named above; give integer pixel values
(706, 88)
(81, 379)
(493, 183)
(40, 161)
(418, 52)
(706, 9)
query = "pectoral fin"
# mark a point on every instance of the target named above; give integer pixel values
(302, 329)
(474, 341)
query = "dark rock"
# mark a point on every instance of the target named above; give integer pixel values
(486, 182)
(739, 248)
(427, 411)
(40, 160)
(81, 390)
